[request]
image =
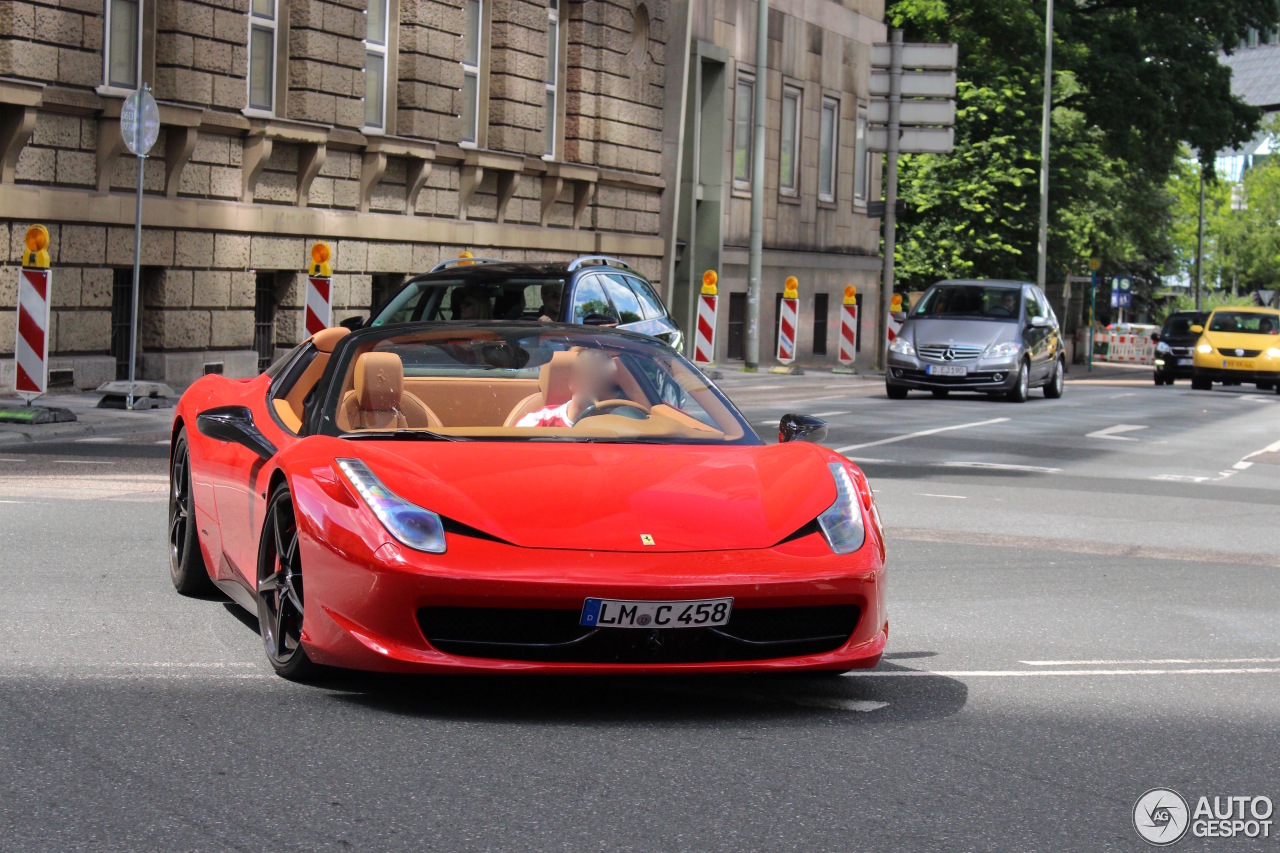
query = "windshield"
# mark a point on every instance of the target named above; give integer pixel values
(1243, 322)
(1179, 325)
(513, 383)
(435, 300)
(971, 300)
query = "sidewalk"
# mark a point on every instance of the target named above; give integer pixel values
(90, 421)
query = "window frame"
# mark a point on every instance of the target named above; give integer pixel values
(551, 106)
(383, 50)
(470, 137)
(107, 87)
(861, 160)
(272, 24)
(827, 192)
(589, 280)
(748, 79)
(789, 91)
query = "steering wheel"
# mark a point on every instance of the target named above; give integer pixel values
(608, 407)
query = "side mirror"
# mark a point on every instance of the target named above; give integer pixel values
(352, 323)
(234, 425)
(1039, 322)
(1155, 337)
(1197, 330)
(801, 428)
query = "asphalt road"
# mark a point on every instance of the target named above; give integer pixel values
(1083, 606)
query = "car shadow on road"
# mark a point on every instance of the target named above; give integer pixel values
(692, 699)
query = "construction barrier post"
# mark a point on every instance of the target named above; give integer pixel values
(788, 323)
(31, 344)
(704, 342)
(895, 309)
(849, 327)
(319, 303)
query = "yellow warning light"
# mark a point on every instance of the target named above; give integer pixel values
(37, 243)
(320, 254)
(896, 302)
(466, 255)
(709, 279)
(851, 295)
(791, 284)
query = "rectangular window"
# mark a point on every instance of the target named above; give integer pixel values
(861, 161)
(736, 345)
(743, 128)
(827, 150)
(120, 67)
(375, 65)
(553, 78)
(262, 55)
(789, 150)
(264, 318)
(820, 307)
(471, 71)
(121, 319)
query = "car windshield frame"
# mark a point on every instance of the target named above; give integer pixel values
(985, 299)
(629, 347)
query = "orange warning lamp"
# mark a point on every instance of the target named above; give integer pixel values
(851, 295)
(37, 242)
(320, 255)
(709, 279)
(468, 256)
(895, 304)
(791, 284)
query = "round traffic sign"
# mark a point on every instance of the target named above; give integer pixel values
(1094, 264)
(140, 122)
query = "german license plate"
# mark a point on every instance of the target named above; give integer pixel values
(1237, 364)
(945, 370)
(698, 613)
(1182, 362)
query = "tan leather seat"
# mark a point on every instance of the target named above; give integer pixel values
(379, 401)
(553, 387)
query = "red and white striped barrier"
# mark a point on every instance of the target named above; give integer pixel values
(1125, 348)
(895, 326)
(849, 326)
(788, 319)
(31, 350)
(704, 340)
(318, 310)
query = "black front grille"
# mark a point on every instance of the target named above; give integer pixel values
(554, 636)
(1241, 353)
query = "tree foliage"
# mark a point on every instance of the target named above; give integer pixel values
(1135, 82)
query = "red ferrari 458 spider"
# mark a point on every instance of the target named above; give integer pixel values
(511, 497)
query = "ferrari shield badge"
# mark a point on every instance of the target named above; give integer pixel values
(646, 539)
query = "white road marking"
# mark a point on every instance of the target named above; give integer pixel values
(1021, 673)
(1274, 447)
(1118, 396)
(869, 460)
(99, 439)
(1111, 432)
(1242, 465)
(999, 466)
(1146, 662)
(953, 497)
(895, 439)
(829, 414)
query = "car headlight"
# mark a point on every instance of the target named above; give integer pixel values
(841, 523)
(418, 528)
(1273, 352)
(902, 346)
(1204, 348)
(1164, 348)
(1008, 349)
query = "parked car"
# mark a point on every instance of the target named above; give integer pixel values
(996, 337)
(1174, 345)
(1239, 344)
(593, 290)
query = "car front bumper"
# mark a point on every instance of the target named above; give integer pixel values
(1213, 366)
(980, 375)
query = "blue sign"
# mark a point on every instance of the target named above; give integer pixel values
(1122, 292)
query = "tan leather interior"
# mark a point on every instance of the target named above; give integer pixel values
(471, 400)
(291, 407)
(553, 387)
(379, 401)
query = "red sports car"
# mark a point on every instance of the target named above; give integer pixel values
(519, 497)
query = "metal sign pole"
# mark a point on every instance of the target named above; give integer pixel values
(1093, 310)
(137, 261)
(890, 194)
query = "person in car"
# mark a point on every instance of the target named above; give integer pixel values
(591, 381)
(1266, 327)
(551, 302)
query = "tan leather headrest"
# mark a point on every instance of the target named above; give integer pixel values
(379, 381)
(553, 378)
(326, 339)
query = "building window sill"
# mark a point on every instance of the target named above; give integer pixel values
(113, 91)
(255, 112)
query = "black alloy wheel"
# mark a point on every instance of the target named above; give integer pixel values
(186, 564)
(280, 590)
(941, 393)
(895, 392)
(1022, 389)
(1057, 380)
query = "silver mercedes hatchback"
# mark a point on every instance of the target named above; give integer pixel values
(995, 337)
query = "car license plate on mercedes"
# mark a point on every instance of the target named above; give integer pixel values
(698, 613)
(945, 370)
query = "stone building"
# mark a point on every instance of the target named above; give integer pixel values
(403, 132)
(818, 173)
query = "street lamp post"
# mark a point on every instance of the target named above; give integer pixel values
(1042, 254)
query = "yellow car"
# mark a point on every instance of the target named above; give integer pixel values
(1239, 344)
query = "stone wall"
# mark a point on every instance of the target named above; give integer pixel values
(201, 53)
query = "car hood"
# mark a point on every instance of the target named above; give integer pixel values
(1240, 340)
(981, 333)
(604, 497)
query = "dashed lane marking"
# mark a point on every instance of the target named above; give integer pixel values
(930, 495)
(1023, 673)
(1148, 661)
(924, 432)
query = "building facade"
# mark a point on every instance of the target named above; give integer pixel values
(402, 131)
(818, 176)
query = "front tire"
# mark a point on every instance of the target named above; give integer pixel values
(1200, 383)
(940, 393)
(895, 392)
(1057, 381)
(1022, 388)
(186, 563)
(280, 590)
